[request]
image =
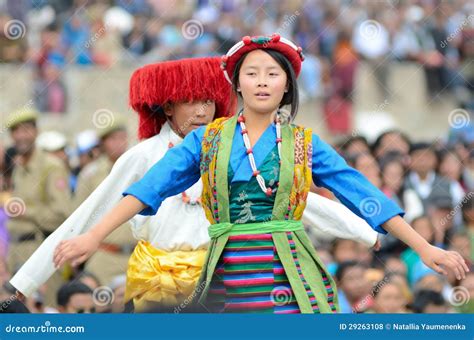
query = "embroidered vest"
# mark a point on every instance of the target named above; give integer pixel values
(295, 172)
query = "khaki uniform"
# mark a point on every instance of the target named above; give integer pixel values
(112, 257)
(40, 202)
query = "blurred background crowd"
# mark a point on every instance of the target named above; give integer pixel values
(388, 82)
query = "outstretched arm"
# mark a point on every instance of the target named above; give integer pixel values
(79, 249)
(174, 173)
(434, 257)
(39, 267)
(364, 199)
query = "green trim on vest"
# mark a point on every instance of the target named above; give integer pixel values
(287, 170)
(223, 158)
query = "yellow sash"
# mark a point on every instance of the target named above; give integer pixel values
(157, 276)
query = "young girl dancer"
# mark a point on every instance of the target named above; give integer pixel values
(171, 98)
(264, 253)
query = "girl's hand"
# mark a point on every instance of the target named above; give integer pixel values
(75, 250)
(439, 260)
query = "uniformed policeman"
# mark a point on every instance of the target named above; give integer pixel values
(40, 199)
(55, 143)
(112, 257)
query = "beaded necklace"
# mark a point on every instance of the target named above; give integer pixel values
(261, 182)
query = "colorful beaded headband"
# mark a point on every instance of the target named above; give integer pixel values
(274, 42)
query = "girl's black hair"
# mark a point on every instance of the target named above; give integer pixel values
(423, 298)
(289, 98)
(389, 158)
(352, 159)
(345, 266)
(379, 139)
(349, 141)
(157, 109)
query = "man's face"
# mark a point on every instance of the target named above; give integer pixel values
(115, 144)
(24, 137)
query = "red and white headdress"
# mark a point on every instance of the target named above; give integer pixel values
(176, 81)
(274, 42)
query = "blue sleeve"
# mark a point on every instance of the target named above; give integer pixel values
(175, 172)
(352, 188)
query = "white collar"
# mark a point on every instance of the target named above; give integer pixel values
(169, 135)
(429, 178)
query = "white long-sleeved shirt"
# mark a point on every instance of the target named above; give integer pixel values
(177, 225)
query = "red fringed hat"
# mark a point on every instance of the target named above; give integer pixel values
(274, 42)
(183, 80)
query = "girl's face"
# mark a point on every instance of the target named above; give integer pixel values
(423, 161)
(262, 82)
(354, 283)
(393, 176)
(390, 299)
(185, 117)
(368, 166)
(451, 167)
(392, 142)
